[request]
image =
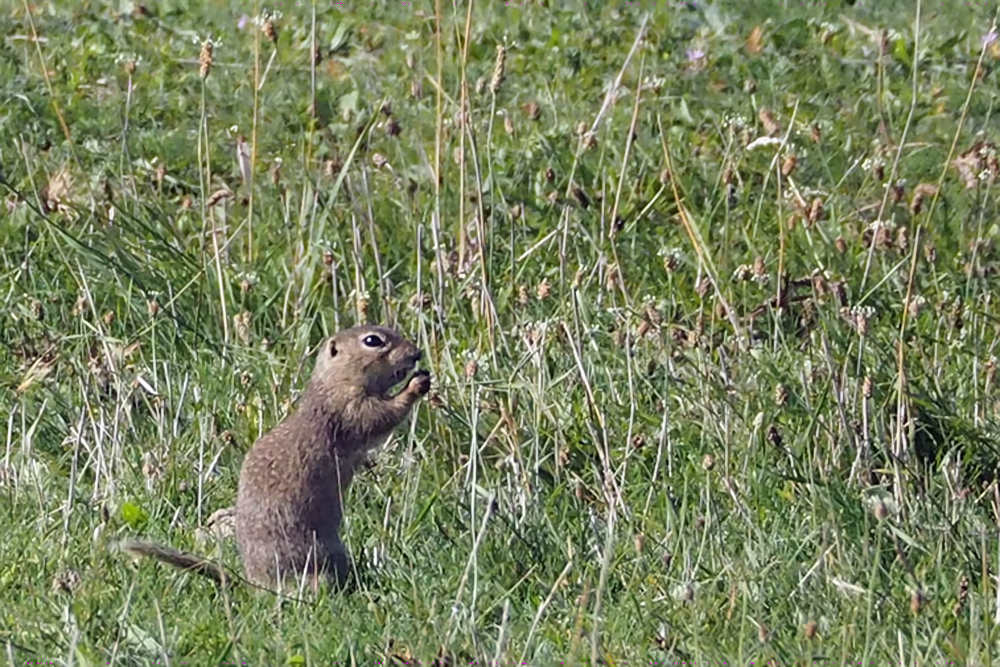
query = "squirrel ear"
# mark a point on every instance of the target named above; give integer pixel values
(332, 347)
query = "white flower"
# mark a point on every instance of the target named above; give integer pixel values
(763, 141)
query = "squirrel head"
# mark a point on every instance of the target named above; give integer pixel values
(370, 359)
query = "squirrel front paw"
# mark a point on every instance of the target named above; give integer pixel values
(420, 383)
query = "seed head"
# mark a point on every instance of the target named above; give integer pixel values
(720, 311)
(963, 596)
(37, 312)
(839, 292)
(612, 278)
(920, 193)
(499, 67)
(880, 509)
(420, 300)
(66, 581)
(543, 290)
(770, 123)
(788, 166)
(270, 30)
(774, 436)
(80, 306)
(780, 395)
(862, 324)
(897, 191)
(903, 239)
(217, 196)
(522, 295)
(653, 315)
(930, 253)
(866, 387)
(815, 211)
(685, 592)
(241, 323)
(205, 59)
(917, 601)
(671, 260)
(811, 629)
(742, 273)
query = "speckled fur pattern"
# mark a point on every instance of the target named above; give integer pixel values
(290, 500)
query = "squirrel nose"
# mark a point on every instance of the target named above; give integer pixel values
(418, 355)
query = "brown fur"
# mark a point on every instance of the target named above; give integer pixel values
(290, 499)
(179, 559)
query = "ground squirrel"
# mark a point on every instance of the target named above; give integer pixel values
(293, 479)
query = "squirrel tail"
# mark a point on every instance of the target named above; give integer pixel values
(179, 559)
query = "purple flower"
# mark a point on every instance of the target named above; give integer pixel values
(990, 38)
(696, 59)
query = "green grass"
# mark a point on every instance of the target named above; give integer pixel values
(696, 432)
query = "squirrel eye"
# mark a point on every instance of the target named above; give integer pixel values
(371, 340)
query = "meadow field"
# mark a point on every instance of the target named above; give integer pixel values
(705, 289)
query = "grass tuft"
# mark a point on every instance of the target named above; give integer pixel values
(704, 288)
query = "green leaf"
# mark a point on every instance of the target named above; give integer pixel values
(349, 104)
(134, 515)
(900, 52)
